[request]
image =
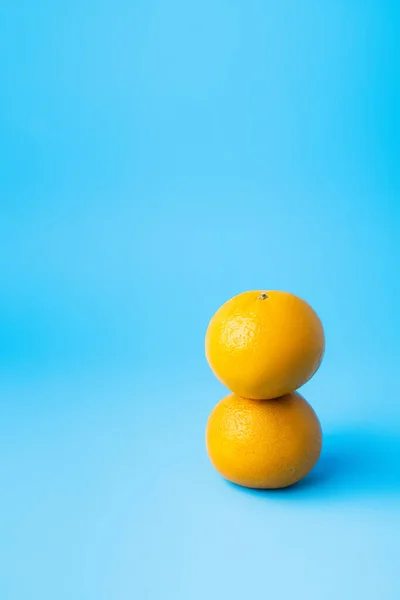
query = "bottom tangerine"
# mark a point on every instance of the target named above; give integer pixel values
(263, 443)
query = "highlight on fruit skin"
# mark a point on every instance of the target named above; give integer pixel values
(264, 344)
(264, 444)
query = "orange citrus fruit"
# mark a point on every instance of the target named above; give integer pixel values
(263, 443)
(264, 344)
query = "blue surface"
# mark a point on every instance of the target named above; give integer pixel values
(155, 159)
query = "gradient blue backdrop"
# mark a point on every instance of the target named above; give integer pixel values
(155, 159)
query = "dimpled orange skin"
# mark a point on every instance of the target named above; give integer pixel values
(264, 344)
(265, 444)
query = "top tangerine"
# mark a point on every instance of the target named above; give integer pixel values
(263, 345)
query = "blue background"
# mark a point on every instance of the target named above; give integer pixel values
(157, 158)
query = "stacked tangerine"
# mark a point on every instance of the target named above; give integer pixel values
(263, 346)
